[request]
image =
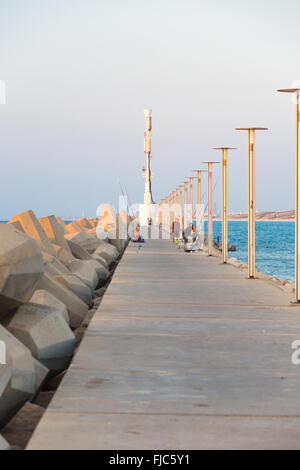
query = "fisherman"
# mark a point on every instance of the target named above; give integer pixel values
(175, 231)
(190, 239)
(136, 234)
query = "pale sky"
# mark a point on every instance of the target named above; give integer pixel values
(80, 72)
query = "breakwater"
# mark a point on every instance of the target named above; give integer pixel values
(52, 279)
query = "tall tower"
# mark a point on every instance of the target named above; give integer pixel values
(147, 150)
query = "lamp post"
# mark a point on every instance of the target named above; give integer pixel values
(210, 206)
(191, 203)
(160, 205)
(199, 195)
(251, 196)
(176, 203)
(296, 91)
(181, 209)
(224, 201)
(166, 215)
(185, 204)
(173, 210)
(170, 211)
(159, 218)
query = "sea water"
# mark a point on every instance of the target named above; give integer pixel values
(275, 245)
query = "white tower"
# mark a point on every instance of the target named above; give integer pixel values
(148, 200)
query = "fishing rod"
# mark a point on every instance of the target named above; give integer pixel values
(213, 192)
(202, 197)
(122, 191)
(133, 214)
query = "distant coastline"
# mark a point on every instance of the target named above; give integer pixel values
(278, 216)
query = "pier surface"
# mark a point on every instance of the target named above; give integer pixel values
(183, 353)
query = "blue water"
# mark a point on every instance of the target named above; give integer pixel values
(275, 245)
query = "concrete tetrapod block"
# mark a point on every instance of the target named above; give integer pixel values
(76, 266)
(92, 231)
(17, 377)
(86, 272)
(108, 252)
(101, 260)
(90, 271)
(87, 241)
(94, 221)
(64, 256)
(74, 227)
(76, 284)
(102, 271)
(80, 253)
(62, 224)
(16, 225)
(85, 224)
(33, 228)
(45, 333)
(62, 274)
(41, 374)
(54, 264)
(54, 231)
(119, 244)
(21, 267)
(44, 297)
(77, 309)
(4, 445)
(6, 373)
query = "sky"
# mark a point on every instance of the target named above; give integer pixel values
(79, 74)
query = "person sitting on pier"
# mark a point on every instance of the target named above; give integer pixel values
(136, 235)
(191, 239)
(175, 231)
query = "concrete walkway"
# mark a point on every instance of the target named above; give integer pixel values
(184, 353)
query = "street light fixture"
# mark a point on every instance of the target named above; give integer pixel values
(171, 209)
(210, 206)
(251, 196)
(296, 91)
(199, 197)
(224, 201)
(191, 202)
(185, 204)
(181, 210)
(177, 211)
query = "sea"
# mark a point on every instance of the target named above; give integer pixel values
(275, 245)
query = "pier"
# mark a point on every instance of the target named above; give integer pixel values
(183, 353)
